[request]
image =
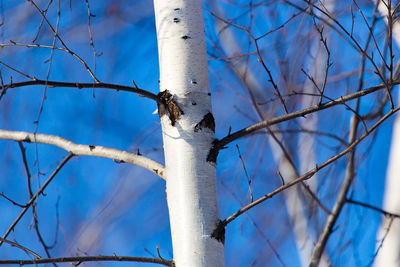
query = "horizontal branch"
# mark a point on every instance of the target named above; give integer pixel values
(132, 89)
(219, 144)
(86, 150)
(80, 259)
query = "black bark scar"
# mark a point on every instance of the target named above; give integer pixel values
(219, 232)
(207, 122)
(169, 107)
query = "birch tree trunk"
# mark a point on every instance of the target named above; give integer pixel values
(188, 132)
(389, 253)
(389, 232)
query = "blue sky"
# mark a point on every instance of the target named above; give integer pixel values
(104, 207)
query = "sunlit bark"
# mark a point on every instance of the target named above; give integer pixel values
(188, 132)
(389, 233)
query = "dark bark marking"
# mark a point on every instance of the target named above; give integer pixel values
(169, 107)
(207, 122)
(214, 151)
(219, 232)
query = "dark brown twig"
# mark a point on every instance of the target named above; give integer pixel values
(62, 42)
(17, 71)
(80, 85)
(365, 205)
(15, 244)
(35, 217)
(40, 191)
(81, 259)
(260, 59)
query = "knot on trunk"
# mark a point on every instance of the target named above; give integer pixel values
(219, 232)
(169, 107)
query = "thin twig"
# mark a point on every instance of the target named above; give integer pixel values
(384, 212)
(341, 199)
(245, 172)
(260, 59)
(40, 191)
(17, 71)
(35, 217)
(382, 240)
(328, 58)
(269, 243)
(3, 89)
(41, 21)
(14, 244)
(12, 201)
(62, 42)
(90, 15)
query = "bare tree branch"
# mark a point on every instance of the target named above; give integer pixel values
(310, 173)
(79, 85)
(365, 205)
(34, 213)
(11, 228)
(15, 244)
(87, 150)
(220, 144)
(81, 259)
(63, 43)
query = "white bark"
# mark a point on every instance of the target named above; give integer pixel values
(191, 179)
(85, 150)
(389, 253)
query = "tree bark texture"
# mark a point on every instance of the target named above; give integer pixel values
(188, 132)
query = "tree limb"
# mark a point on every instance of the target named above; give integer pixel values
(308, 174)
(132, 89)
(87, 150)
(220, 144)
(81, 259)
